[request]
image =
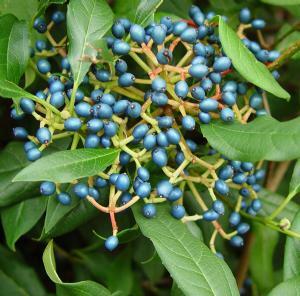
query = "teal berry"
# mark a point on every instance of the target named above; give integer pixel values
(218, 207)
(159, 84)
(64, 198)
(175, 194)
(27, 105)
(140, 131)
(47, 188)
(181, 89)
(173, 136)
(122, 182)
(149, 210)
(143, 174)
(164, 56)
(137, 33)
(227, 115)
(111, 243)
(188, 123)
(72, 124)
(43, 135)
(57, 99)
(221, 187)
(208, 105)
(143, 190)
(222, 64)
(178, 211)
(198, 71)
(164, 188)
(94, 125)
(126, 80)
(43, 66)
(92, 141)
(83, 109)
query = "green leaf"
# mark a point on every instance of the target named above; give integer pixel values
(69, 165)
(12, 160)
(22, 9)
(125, 8)
(261, 257)
(246, 63)
(66, 289)
(282, 3)
(14, 48)
(177, 7)
(294, 187)
(87, 22)
(43, 4)
(15, 274)
(224, 4)
(10, 90)
(20, 218)
(145, 11)
(271, 201)
(196, 270)
(30, 76)
(244, 141)
(291, 266)
(287, 288)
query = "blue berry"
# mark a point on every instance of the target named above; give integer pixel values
(222, 64)
(20, 133)
(143, 190)
(159, 84)
(47, 188)
(111, 243)
(105, 141)
(83, 109)
(164, 56)
(143, 174)
(64, 198)
(239, 178)
(160, 157)
(124, 158)
(120, 107)
(204, 117)
(100, 182)
(243, 228)
(122, 182)
(27, 105)
(256, 205)
(198, 71)
(118, 30)
(210, 215)
(57, 99)
(237, 241)
(175, 194)
(162, 139)
(40, 25)
(258, 24)
(178, 211)
(256, 101)
(230, 86)
(244, 192)
(29, 145)
(218, 207)
(229, 98)
(149, 142)
(164, 121)
(260, 174)
(225, 172)
(234, 218)
(58, 17)
(227, 115)
(181, 89)
(221, 187)
(120, 47)
(137, 33)
(103, 75)
(140, 131)
(245, 16)
(43, 135)
(149, 210)
(173, 136)
(179, 27)
(208, 105)
(188, 123)
(110, 129)
(93, 192)
(94, 125)
(15, 115)
(189, 35)
(96, 95)
(158, 34)
(56, 86)
(179, 158)
(164, 188)
(40, 45)
(125, 198)
(198, 93)
(247, 166)
(81, 190)
(65, 64)
(159, 98)
(33, 154)
(43, 66)
(92, 141)
(126, 80)
(216, 78)
(102, 111)
(134, 110)
(121, 66)
(72, 124)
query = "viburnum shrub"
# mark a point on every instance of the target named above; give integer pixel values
(154, 122)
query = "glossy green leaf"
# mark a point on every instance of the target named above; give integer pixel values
(176, 7)
(66, 166)
(12, 160)
(125, 8)
(261, 257)
(87, 22)
(66, 289)
(263, 138)
(30, 76)
(291, 266)
(16, 275)
(287, 288)
(145, 11)
(43, 4)
(295, 180)
(14, 48)
(282, 3)
(246, 64)
(271, 201)
(196, 270)
(21, 217)
(10, 90)
(22, 9)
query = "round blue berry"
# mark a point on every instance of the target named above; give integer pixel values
(111, 243)
(126, 80)
(198, 71)
(227, 115)
(92, 141)
(208, 105)
(64, 198)
(188, 123)
(20, 133)
(72, 124)
(27, 105)
(81, 190)
(178, 211)
(181, 89)
(33, 154)
(210, 215)
(47, 188)
(43, 66)
(222, 64)
(234, 218)
(149, 210)
(237, 241)
(57, 99)
(218, 207)
(173, 136)
(137, 33)
(221, 187)
(43, 135)
(143, 190)
(164, 188)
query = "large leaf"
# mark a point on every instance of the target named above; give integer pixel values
(261, 257)
(20, 218)
(287, 288)
(22, 9)
(292, 252)
(69, 165)
(263, 138)
(271, 201)
(196, 270)
(246, 63)
(14, 48)
(15, 275)
(282, 3)
(87, 22)
(145, 11)
(12, 160)
(126, 8)
(66, 289)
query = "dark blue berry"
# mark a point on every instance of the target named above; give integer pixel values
(64, 198)
(43, 66)
(178, 211)
(237, 241)
(149, 210)
(210, 215)
(81, 190)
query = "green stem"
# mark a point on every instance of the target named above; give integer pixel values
(285, 56)
(140, 62)
(282, 205)
(75, 141)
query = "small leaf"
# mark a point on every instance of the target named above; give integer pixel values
(10, 90)
(291, 266)
(282, 3)
(287, 288)
(145, 11)
(246, 63)
(20, 218)
(244, 141)
(14, 48)
(69, 165)
(66, 289)
(261, 257)
(271, 201)
(196, 270)
(87, 22)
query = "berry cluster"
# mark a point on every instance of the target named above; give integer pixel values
(166, 80)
